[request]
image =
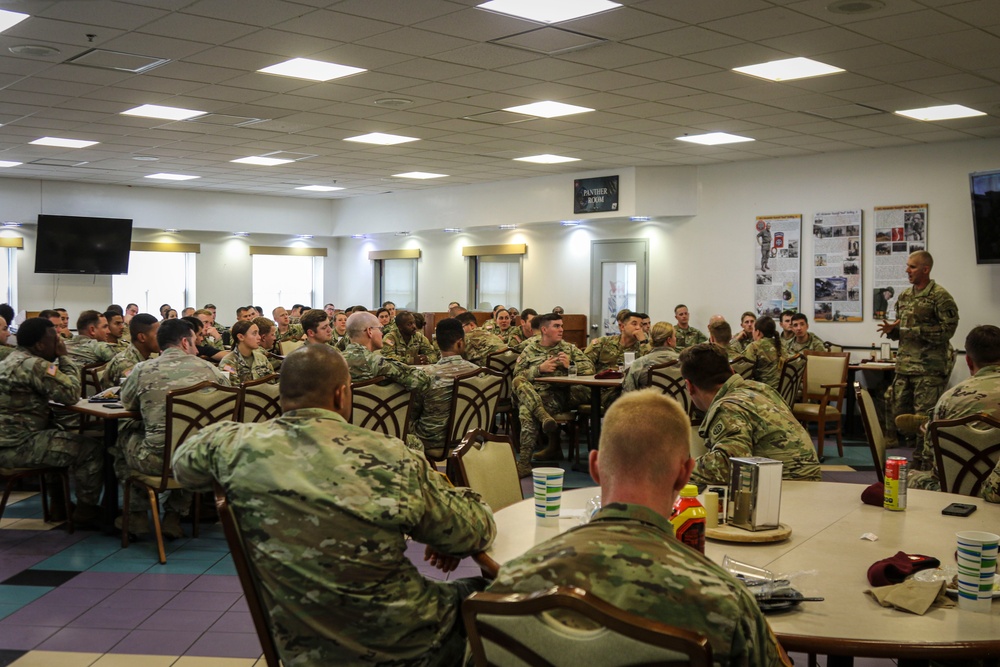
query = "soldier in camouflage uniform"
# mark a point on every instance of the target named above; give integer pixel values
(428, 432)
(37, 372)
(87, 347)
(247, 361)
(211, 334)
(991, 487)
(549, 356)
(686, 335)
(742, 340)
(521, 333)
(364, 363)
(627, 554)
(286, 330)
(406, 344)
(5, 349)
(327, 508)
(479, 343)
(116, 339)
(664, 344)
(765, 352)
(144, 328)
(503, 328)
(928, 317)
(979, 394)
(141, 440)
(801, 340)
(609, 351)
(743, 418)
(340, 339)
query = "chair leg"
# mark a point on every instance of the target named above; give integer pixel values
(44, 489)
(154, 503)
(820, 437)
(8, 487)
(126, 508)
(197, 514)
(840, 441)
(64, 476)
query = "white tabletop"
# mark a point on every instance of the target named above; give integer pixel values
(827, 521)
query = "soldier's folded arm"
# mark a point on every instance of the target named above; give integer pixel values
(63, 386)
(453, 521)
(193, 461)
(584, 366)
(729, 438)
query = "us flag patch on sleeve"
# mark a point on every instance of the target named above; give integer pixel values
(52, 370)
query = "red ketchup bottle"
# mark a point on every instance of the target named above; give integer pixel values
(688, 518)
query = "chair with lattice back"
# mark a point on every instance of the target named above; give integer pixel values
(487, 464)
(13, 474)
(742, 367)
(823, 392)
(966, 451)
(381, 405)
(188, 411)
(260, 400)
(667, 378)
(90, 385)
(790, 378)
(873, 429)
(503, 362)
(473, 405)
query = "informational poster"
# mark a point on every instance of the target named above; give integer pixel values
(837, 267)
(776, 264)
(595, 195)
(899, 230)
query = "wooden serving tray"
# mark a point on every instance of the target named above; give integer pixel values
(729, 533)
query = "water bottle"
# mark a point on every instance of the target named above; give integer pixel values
(688, 518)
(571, 371)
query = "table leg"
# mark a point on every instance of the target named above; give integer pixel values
(594, 438)
(110, 500)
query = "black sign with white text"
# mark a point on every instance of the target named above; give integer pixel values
(595, 195)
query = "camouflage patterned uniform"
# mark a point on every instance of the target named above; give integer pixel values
(87, 351)
(435, 403)
(627, 555)
(140, 441)
(991, 487)
(364, 365)
(608, 352)
(5, 351)
(688, 337)
(637, 376)
(738, 346)
(747, 418)
(393, 347)
(977, 394)
(119, 367)
(518, 342)
(254, 368)
(29, 435)
(764, 356)
(326, 507)
(479, 344)
(294, 332)
(927, 321)
(120, 346)
(490, 325)
(533, 398)
(340, 342)
(792, 347)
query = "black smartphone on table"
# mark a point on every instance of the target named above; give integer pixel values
(959, 509)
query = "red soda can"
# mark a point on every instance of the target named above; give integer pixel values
(896, 468)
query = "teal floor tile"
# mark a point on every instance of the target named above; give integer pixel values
(225, 566)
(107, 565)
(22, 595)
(8, 609)
(69, 562)
(175, 566)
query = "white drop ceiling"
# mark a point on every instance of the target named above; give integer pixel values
(653, 70)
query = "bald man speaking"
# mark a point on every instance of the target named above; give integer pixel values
(325, 507)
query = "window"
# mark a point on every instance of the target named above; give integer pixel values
(155, 278)
(8, 277)
(396, 281)
(284, 280)
(497, 281)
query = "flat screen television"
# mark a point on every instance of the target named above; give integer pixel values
(77, 244)
(986, 215)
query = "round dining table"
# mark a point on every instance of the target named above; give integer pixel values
(834, 539)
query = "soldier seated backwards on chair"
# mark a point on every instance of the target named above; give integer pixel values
(664, 341)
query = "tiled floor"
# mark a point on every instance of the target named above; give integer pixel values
(82, 601)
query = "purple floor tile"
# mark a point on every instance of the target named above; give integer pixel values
(106, 580)
(227, 645)
(156, 642)
(160, 582)
(202, 601)
(126, 599)
(83, 640)
(12, 565)
(240, 605)
(181, 620)
(111, 617)
(234, 621)
(24, 638)
(216, 583)
(38, 613)
(87, 597)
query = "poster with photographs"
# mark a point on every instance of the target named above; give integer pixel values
(837, 267)
(776, 263)
(899, 230)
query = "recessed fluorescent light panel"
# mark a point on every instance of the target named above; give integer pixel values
(318, 188)
(313, 70)
(788, 69)
(10, 19)
(357, 236)
(714, 138)
(452, 230)
(166, 113)
(549, 11)
(546, 159)
(261, 161)
(422, 175)
(943, 112)
(172, 177)
(570, 223)
(62, 143)
(4, 164)
(548, 109)
(381, 139)
(640, 218)
(507, 228)
(244, 234)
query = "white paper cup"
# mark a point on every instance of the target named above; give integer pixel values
(629, 358)
(977, 565)
(548, 484)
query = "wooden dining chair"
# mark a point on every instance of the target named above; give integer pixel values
(790, 379)
(260, 400)
(742, 367)
(966, 451)
(473, 406)
(667, 378)
(824, 389)
(12, 475)
(90, 384)
(381, 405)
(566, 625)
(286, 347)
(873, 429)
(503, 363)
(487, 464)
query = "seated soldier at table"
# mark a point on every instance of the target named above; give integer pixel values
(427, 431)
(686, 334)
(743, 418)
(765, 352)
(316, 326)
(340, 339)
(210, 333)
(744, 336)
(664, 342)
(991, 487)
(627, 554)
(721, 333)
(5, 349)
(247, 361)
(63, 326)
(286, 330)
(406, 344)
(37, 372)
(204, 351)
(479, 343)
(548, 356)
(978, 394)
(327, 510)
(801, 340)
(786, 326)
(88, 346)
(115, 337)
(144, 327)
(520, 334)
(608, 352)
(268, 331)
(365, 333)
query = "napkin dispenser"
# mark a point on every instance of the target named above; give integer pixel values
(754, 493)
